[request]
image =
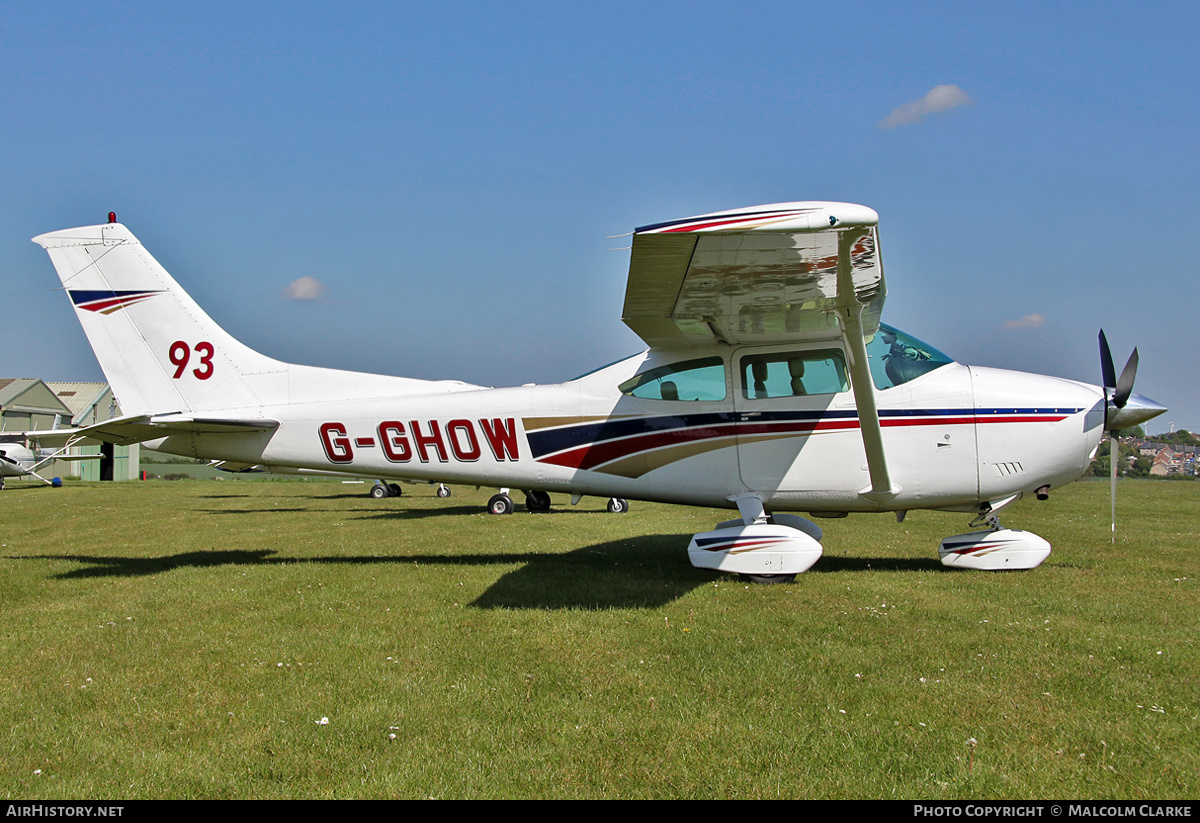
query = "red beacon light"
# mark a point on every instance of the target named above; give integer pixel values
(112, 217)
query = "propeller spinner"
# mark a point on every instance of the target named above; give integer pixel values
(1123, 408)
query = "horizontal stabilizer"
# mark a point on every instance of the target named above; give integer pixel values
(137, 428)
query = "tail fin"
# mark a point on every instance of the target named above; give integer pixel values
(157, 347)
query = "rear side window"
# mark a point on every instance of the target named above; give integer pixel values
(702, 379)
(793, 374)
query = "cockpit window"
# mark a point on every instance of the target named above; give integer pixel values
(896, 358)
(702, 379)
(793, 374)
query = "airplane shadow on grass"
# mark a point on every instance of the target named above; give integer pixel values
(638, 572)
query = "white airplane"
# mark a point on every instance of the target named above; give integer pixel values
(769, 387)
(19, 459)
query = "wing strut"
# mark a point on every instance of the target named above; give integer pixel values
(850, 314)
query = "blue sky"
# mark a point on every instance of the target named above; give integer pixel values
(446, 176)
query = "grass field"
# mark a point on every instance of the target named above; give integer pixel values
(197, 639)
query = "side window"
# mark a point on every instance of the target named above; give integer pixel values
(793, 374)
(702, 379)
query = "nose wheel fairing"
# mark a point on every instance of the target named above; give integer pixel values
(994, 550)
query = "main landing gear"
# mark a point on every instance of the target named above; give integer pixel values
(381, 490)
(994, 548)
(539, 501)
(760, 547)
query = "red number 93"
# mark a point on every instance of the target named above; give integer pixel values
(180, 355)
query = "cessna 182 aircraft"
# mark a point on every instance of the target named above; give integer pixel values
(18, 460)
(23, 453)
(769, 386)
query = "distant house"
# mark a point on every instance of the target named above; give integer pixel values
(1149, 448)
(1166, 462)
(28, 404)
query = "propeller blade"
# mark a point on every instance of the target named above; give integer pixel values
(1114, 455)
(1125, 381)
(1106, 363)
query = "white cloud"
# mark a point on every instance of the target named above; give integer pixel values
(939, 98)
(1029, 321)
(305, 288)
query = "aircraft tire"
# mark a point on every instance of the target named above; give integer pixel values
(537, 501)
(618, 505)
(394, 489)
(443, 491)
(770, 579)
(500, 504)
(379, 491)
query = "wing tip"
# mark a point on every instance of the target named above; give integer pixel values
(815, 215)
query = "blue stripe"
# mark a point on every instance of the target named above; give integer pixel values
(81, 296)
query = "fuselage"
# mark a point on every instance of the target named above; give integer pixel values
(16, 460)
(704, 426)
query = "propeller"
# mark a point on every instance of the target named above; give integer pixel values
(1121, 387)
(1116, 394)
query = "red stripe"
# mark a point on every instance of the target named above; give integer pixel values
(729, 221)
(112, 304)
(933, 421)
(746, 544)
(794, 427)
(977, 547)
(101, 305)
(594, 454)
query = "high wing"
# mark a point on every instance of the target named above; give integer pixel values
(764, 274)
(44, 438)
(783, 272)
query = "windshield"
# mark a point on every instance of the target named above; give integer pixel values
(896, 358)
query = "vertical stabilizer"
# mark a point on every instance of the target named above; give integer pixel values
(159, 350)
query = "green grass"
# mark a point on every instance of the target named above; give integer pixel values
(185, 639)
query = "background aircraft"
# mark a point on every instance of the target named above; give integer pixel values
(770, 386)
(20, 459)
